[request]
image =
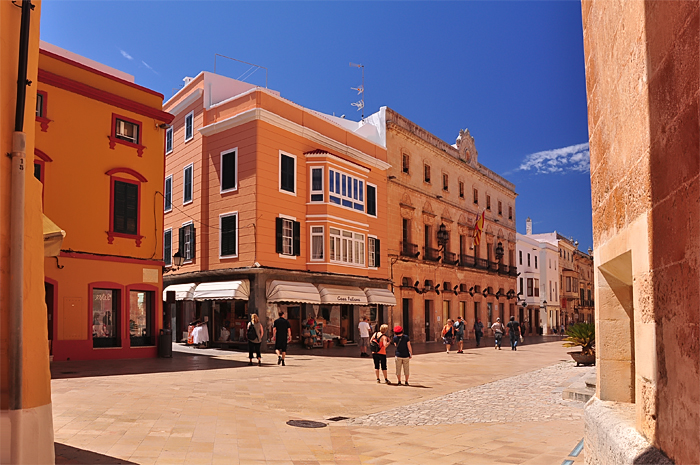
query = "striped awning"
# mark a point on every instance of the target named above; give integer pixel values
(289, 291)
(380, 296)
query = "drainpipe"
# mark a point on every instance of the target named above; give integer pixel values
(18, 175)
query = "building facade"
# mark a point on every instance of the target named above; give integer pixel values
(99, 155)
(435, 192)
(643, 88)
(272, 207)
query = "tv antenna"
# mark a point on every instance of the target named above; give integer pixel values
(253, 68)
(360, 90)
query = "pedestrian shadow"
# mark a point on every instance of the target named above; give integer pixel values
(68, 454)
(419, 386)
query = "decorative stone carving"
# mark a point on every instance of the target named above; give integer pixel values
(446, 215)
(466, 148)
(500, 234)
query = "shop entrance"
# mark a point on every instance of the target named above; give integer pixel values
(294, 318)
(428, 331)
(406, 316)
(48, 296)
(347, 328)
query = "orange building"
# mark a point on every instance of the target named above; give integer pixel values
(99, 153)
(272, 206)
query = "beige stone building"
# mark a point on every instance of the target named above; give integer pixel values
(584, 305)
(436, 190)
(643, 87)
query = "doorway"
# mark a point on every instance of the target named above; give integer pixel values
(347, 328)
(406, 317)
(428, 332)
(48, 297)
(294, 319)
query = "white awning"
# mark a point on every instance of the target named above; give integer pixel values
(337, 295)
(223, 290)
(53, 238)
(380, 296)
(288, 291)
(182, 291)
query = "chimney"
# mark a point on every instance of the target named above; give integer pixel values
(528, 227)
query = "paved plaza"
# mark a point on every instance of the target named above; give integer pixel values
(207, 406)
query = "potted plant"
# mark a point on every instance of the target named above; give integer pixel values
(581, 335)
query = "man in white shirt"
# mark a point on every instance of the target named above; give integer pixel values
(364, 336)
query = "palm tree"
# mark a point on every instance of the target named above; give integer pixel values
(581, 335)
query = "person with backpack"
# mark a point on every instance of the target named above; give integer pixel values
(459, 334)
(378, 345)
(254, 332)
(404, 353)
(513, 332)
(448, 334)
(478, 331)
(497, 328)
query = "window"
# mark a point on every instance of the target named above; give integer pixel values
(125, 214)
(476, 197)
(537, 287)
(317, 184)
(317, 240)
(373, 252)
(522, 289)
(168, 196)
(347, 190)
(556, 290)
(229, 166)
(168, 247)
(520, 255)
(127, 130)
(529, 287)
(535, 261)
(445, 182)
(568, 284)
(288, 173)
(371, 200)
(41, 105)
(528, 259)
(141, 327)
(228, 238)
(105, 318)
(347, 247)
(426, 173)
(488, 202)
(510, 213)
(405, 162)
(168, 140)
(287, 236)
(489, 313)
(476, 312)
(187, 238)
(189, 126)
(187, 187)
(500, 208)
(550, 290)
(38, 171)
(461, 190)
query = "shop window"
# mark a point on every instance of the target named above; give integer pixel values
(371, 200)
(347, 190)
(317, 184)
(141, 318)
(105, 318)
(288, 234)
(229, 166)
(126, 131)
(168, 140)
(187, 184)
(228, 238)
(373, 252)
(42, 99)
(189, 126)
(288, 173)
(168, 196)
(187, 236)
(317, 240)
(168, 247)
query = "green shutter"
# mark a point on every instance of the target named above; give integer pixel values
(377, 253)
(278, 230)
(296, 238)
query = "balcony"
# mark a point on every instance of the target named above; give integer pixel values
(493, 267)
(449, 258)
(513, 271)
(482, 264)
(503, 269)
(409, 250)
(430, 254)
(467, 261)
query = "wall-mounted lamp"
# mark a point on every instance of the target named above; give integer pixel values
(454, 289)
(391, 177)
(164, 126)
(471, 291)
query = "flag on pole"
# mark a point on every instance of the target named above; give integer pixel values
(479, 227)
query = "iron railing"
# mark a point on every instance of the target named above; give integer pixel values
(409, 250)
(467, 261)
(430, 254)
(449, 258)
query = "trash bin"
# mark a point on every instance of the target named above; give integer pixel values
(165, 344)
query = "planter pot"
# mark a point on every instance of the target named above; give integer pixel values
(581, 359)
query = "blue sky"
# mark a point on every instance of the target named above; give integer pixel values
(511, 72)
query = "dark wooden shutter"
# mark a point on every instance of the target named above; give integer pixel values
(371, 200)
(228, 235)
(193, 242)
(278, 229)
(377, 253)
(296, 238)
(181, 242)
(119, 207)
(228, 171)
(132, 208)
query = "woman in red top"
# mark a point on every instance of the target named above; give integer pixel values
(380, 356)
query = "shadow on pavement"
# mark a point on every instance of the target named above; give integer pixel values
(68, 454)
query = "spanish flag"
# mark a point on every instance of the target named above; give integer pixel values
(479, 227)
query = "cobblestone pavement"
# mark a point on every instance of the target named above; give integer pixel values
(533, 396)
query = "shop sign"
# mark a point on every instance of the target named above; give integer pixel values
(341, 298)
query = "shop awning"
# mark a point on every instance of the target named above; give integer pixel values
(288, 291)
(380, 296)
(337, 295)
(53, 238)
(223, 290)
(182, 291)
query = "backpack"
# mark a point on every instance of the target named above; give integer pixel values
(252, 333)
(374, 344)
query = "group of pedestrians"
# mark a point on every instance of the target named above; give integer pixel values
(403, 354)
(281, 335)
(513, 328)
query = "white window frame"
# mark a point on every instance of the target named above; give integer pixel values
(170, 132)
(170, 178)
(292, 219)
(221, 233)
(168, 265)
(312, 234)
(376, 204)
(221, 170)
(349, 198)
(371, 252)
(311, 183)
(279, 174)
(187, 242)
(189, 115)
(357, 254)
(184, 202)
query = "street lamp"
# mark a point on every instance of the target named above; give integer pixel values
(178, 259)
(442, 237)
(499, 251)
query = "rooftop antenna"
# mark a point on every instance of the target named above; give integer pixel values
(360, 90)
(244, 62)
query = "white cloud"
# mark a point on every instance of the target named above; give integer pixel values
(126, 55)
(147, 66)
(576, 158)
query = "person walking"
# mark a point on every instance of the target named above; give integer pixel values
(378, 345)
(448, 334)
(254, 333)
(459, 334)
(282, 335)
(478, 331)
(513, 332)
(364, 328)
(497, 328)
(404, 353)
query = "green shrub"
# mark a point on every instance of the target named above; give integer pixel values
(581, 335)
